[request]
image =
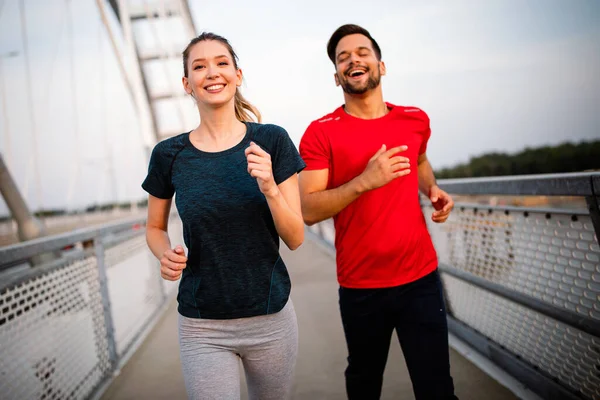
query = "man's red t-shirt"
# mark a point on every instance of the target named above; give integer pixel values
(381, 238)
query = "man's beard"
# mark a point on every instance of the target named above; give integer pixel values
(371, 83)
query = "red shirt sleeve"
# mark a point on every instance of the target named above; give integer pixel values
(426, 133)
(315, 148)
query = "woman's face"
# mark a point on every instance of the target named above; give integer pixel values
(212, 76)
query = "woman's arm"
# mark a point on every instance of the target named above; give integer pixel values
(172, 261)
(284, 204)
(283, 199)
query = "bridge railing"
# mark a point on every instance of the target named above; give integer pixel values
(522, 283)
(67, 324)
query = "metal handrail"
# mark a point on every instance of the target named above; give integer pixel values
(25, 250)
(574, 320)
(570, 184)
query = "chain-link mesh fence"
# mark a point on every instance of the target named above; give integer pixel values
(550, 255)
(56, 329)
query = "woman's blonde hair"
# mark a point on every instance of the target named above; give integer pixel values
(243, 108)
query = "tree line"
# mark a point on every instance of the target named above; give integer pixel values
(566, 157)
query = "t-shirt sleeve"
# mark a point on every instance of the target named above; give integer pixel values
(286, 160)
(158, 181)
(315, 148)
(426, 134)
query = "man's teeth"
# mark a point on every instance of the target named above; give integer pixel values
(356, 73)
(215, 87)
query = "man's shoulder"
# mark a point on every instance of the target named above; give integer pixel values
(411, 112)
(327, 121)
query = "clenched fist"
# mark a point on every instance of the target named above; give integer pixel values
(259, 167)
(172, 263)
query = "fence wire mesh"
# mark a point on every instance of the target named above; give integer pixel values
(566, 354)
(550, 256)
(52, 335)
(54, 341)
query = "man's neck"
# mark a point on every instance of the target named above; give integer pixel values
(369, 105)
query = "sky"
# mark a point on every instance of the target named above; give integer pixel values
(493, 76)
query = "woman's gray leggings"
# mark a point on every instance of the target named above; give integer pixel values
(211, 351)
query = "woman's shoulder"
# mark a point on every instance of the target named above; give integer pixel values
(267, 134)
(267, 129)
(169, 147)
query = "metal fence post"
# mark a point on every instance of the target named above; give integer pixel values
(594, 209)
(108, 322)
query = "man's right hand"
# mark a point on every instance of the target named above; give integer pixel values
(172, 263)
(384, 167)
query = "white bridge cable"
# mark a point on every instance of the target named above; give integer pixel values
(109, 171)
(33, 159)
(133, 85)
(118, 55)
(165, 50)
(5, 116)
(46, 94)
(77, 153)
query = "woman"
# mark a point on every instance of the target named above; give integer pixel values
(237, 193)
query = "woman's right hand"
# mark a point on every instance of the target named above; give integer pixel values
(172, 263)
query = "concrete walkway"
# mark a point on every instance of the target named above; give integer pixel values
(154, 372)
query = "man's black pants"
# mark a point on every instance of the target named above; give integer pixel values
(417, 312)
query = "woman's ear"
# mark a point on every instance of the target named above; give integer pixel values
(240, 76)
(186, 85)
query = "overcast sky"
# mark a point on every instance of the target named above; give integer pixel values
(494, 75)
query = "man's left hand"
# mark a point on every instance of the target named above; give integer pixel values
(442, 203)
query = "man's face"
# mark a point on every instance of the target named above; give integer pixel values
(357, 67)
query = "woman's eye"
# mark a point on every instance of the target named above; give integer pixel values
(223, 63)
(199, 66)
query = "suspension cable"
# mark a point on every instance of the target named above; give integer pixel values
(34, 133)
(76, 156)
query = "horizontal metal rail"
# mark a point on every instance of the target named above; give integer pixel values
(573, 184)
(12, 278)
(580, 322)
(543, 384)
(23, 251)
(521, 210)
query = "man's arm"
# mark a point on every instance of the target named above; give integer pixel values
(441, 201)
(319, 204)
(426, 177)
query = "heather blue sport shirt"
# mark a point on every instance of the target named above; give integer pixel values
(234, 269)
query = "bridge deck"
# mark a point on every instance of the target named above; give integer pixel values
(154, 371)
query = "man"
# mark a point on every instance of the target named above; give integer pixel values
(366, 162)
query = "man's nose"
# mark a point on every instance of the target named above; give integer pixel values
(354, 58)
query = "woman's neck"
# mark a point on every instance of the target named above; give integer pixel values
(219, 129)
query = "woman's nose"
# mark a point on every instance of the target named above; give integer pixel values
(212, 73)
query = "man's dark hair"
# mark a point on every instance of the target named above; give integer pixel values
(345, 30)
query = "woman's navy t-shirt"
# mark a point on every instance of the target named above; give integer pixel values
(234, 269)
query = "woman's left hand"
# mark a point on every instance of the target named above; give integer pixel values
(259, 167)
